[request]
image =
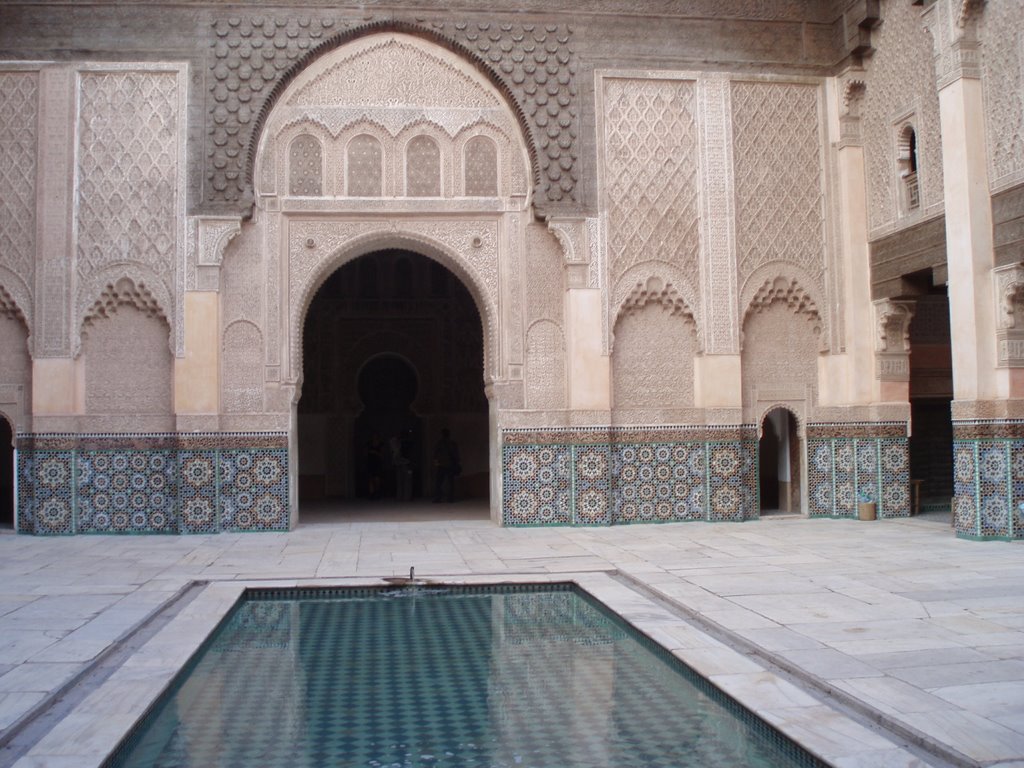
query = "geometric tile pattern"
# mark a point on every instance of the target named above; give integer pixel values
(988, 488)
(615, 476)
(152, 483)
(845, 471)
(254, 489)
(456, 679)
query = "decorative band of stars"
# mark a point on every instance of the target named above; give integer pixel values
(139, 489)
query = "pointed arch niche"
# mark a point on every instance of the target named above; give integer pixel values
(419, 151)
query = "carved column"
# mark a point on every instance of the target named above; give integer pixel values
(969, 244)
(53, 369)
(854, 257)
(717, 372)
(892, 349)
(588, 365)
(197, 373)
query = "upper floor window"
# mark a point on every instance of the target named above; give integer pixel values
(907, 162)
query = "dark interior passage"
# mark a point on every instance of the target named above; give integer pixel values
(931, 396)
(6, 474)
(393, 354)
(779, 462)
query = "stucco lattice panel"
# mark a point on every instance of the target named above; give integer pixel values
(900, 78)
(363, 167)
(651, 168)
(545, 366)
(242, 368)
(15, 362)
(1002, 57)
(242, 277)
(777, 161)
(127, 172)
(305, 166)
(652, 360)
(544, 274)
(780, 352)
(423, 168)
(481, 168)
(19, 97)
(128, 367)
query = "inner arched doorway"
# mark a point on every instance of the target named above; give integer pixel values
(393, 354)
(779, 464)
(7, 503)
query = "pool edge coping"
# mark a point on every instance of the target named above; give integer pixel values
(92, 731)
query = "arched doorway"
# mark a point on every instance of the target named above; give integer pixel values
(7, 503)
(393, 353)
(779, 463)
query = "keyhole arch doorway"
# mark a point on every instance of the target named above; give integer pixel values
(781, 463)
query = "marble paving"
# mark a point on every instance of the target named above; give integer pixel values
(897, 617)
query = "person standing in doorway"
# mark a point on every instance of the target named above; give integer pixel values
(446, 467)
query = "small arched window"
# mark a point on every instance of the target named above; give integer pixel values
(364, 167)
(423, 168)
(907, 160)
(481, 167)
(304, 167)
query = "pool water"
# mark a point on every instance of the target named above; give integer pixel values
(481, 677)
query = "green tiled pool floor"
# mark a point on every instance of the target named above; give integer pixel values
(540, 678)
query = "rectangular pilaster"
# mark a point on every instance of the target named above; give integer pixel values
(197, 374)
(589, 369)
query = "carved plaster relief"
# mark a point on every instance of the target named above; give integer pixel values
(371, 129)
(130, 197)
(1008, 283)
(128, 368)
(19, 107)
(545, 275)
(892, 342)
(779, 357)
(242, 368)
(1002, 65)
(15, 364)
(652, 360)
(900, 78)
(545, 366)
(650, 163)
(779, 177)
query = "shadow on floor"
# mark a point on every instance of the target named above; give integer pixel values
(335, 511)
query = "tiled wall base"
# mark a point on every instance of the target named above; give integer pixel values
(853, 463)
(988, 479)
(152, 483)
(609, 476)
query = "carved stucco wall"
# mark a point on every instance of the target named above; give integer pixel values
(777, 151)
(652, 360)
(19, 93)
(15, 366)
(900, 78)
(128, 368)
(1001, 32)
(545, 366)
(650, 184)
(250, 59)
(130, 206)
(780, 355)
(243, 283)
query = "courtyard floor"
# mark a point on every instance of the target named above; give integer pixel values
(878, 644)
